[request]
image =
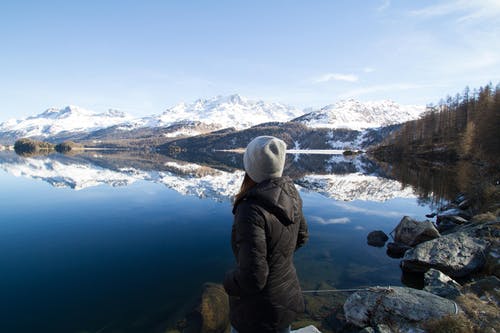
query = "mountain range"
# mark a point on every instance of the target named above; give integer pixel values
(227, 113)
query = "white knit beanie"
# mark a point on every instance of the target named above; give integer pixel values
(264, 158)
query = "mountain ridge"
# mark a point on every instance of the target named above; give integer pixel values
(201, 117)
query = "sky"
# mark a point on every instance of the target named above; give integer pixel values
(143, 57)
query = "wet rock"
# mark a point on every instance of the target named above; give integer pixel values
(456, 255)
(397, 250)
(411, 232)
(377, 238)
(400, 308)
(441, 284)
(211, 315)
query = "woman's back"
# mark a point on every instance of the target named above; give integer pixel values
(269, 226)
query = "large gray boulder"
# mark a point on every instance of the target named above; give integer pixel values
(411, 232)
(399, 307)
(441, 284)
(456, 255)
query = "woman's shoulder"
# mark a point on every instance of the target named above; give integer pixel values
(249, 210)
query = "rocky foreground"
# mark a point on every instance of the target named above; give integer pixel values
(458, 259)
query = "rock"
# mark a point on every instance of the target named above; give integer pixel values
(441, 284)
(487, 287)
(211, 315)
(431, 215)
(367, 330)
(401, 308)
(465, 204)
(457, 219)
(453, 212)
(308, 329)
(377, 329)
(411, 232)
(456, 255)
(397, 250)
(377, 238)
(446, 226)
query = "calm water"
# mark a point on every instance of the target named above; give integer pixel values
(123, 243)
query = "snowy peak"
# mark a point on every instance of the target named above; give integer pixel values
(68, 119)
(228, 111)
(356, 115)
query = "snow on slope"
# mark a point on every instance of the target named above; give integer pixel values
(352, 114)
(185, 178)
(218, 112)
(69, 119)
(215, 113)
(225, 111)
(195, 180)
(355, 186)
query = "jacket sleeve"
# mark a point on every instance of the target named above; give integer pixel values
(303, 236)
(249, 236)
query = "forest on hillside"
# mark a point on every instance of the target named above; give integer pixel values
(465, 126)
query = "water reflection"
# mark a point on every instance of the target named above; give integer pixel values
(120, 238)
(216, 175)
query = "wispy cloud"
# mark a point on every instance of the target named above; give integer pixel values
(355, 209)
(382, 88)
(336, 77)
(466, 9)
(385, 4)
(320, 220)
(368, 69)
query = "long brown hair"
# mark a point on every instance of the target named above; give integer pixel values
(247, 184)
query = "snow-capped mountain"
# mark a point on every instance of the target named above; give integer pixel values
(223, 112)
(215, 113)
(204, 116)
(356, 115)
(69, 119)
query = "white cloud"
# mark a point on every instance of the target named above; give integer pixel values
(382, 88)
(336, 77)
(385, 4)
(368, 69)
(372, 212)
(320, 220)
(466, 9)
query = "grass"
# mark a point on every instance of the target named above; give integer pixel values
(483, 315)
(449, 324)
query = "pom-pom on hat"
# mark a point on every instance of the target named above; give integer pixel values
(264, 158)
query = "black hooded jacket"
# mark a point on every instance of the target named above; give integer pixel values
(268, 227)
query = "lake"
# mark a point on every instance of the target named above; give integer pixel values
(124, 241)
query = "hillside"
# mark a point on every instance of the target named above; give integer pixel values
(229, 113)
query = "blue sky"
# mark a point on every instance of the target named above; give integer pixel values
(145, 56)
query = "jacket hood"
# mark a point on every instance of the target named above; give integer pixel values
(279, 197)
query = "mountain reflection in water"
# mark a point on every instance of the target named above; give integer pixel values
(216, 176)
(121, 239)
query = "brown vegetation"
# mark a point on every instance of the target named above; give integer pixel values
(32, 147)
(483, 314)
(464, 126)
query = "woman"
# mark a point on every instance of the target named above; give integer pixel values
(268, 227)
